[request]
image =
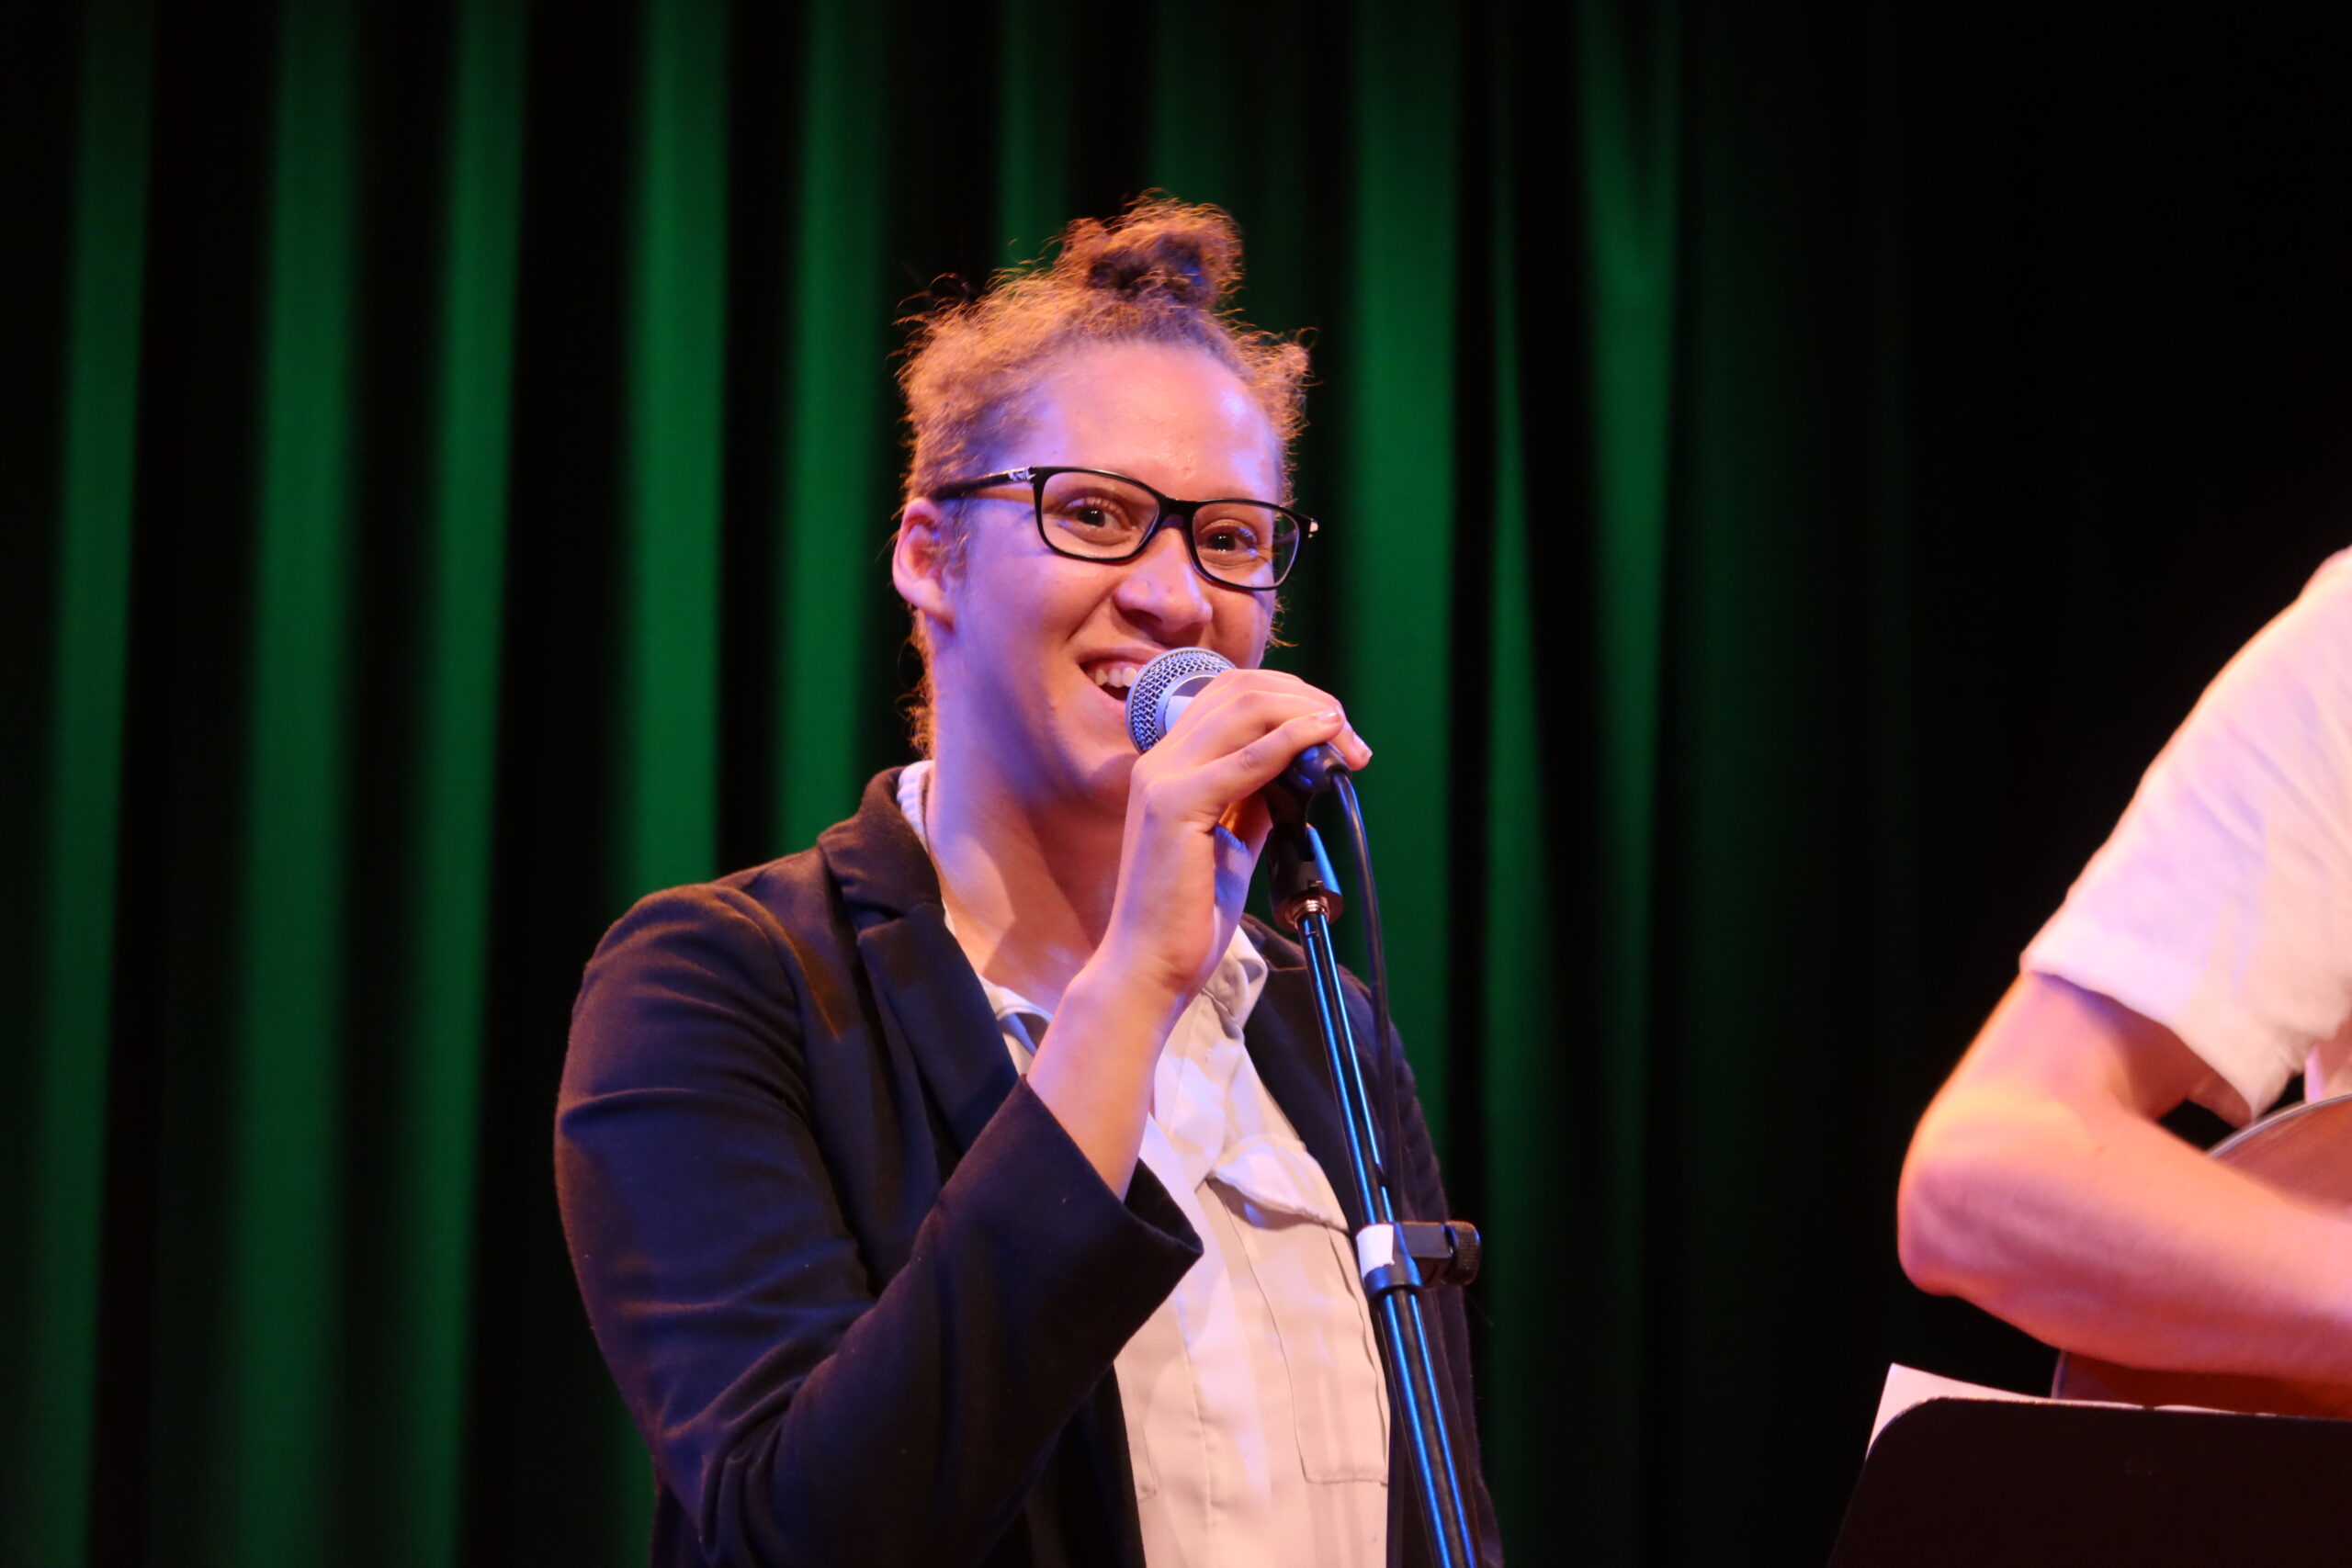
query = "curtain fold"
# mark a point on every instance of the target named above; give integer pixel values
(431, 1103)
(1631, 185)
(60, 1129)
(838, 453)
(1396, 473)
(675, 378)
(1782, 476)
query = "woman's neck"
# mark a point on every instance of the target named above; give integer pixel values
(1028, 886)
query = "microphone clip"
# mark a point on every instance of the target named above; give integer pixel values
(1300, 881)
(1307, 779)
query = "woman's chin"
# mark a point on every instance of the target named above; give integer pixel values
(1104, 780)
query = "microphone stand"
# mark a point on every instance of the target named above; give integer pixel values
(1397, 1261)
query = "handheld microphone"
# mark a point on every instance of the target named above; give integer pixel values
(1167, 685)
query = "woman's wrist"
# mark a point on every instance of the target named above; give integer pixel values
(1124, 1001)
(1093, 1069)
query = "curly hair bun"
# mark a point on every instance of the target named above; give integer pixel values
(1161, 272)
(1160, 248)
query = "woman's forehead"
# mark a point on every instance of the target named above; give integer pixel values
(1169, 407)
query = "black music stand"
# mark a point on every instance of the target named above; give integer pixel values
(1968, 1482)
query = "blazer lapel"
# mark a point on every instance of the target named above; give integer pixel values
(933, 1008)
(1287, 1047)
(932, 1005)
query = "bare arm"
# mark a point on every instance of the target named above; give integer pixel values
(2040, 1186)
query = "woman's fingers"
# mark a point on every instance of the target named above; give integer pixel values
(1203, 782)
(1239, 705)
(1249, 821)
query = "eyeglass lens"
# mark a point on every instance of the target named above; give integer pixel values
(1242, 543)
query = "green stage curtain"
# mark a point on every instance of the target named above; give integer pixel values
(1784, 470)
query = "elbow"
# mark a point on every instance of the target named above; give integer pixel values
(1930, 1218)
(1966, 1209)
(1957, 1209)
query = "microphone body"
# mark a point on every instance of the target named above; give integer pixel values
(1167, 685)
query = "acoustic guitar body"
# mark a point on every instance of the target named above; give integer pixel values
(2305, 1151)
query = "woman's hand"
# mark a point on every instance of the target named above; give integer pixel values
(1196, 823)
(1195, 827)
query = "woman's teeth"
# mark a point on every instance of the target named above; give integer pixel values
(1116, 679)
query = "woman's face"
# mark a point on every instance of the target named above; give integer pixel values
(1025, 643)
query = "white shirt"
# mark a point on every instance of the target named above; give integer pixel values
(2221, 905)
(1256, 1412)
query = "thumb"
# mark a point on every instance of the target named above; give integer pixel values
(1248, 820)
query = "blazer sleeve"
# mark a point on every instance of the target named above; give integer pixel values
(1447, 1314)
(800, 1411)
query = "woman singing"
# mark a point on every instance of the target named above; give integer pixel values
(959, 1190)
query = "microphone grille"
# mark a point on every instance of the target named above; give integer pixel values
(1147, 719)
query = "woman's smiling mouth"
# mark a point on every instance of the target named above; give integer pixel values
(1115, 678)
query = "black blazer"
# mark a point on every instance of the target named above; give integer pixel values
(859, 1291)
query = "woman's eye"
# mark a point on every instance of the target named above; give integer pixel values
(1097, 517)
(1227, 537)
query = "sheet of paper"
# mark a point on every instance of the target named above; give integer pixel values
(1907, 1386)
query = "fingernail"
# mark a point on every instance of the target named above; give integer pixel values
(1329, 713)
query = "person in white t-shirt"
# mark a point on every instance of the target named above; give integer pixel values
(2205, 953)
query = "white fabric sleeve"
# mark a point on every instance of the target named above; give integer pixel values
(2221, 905)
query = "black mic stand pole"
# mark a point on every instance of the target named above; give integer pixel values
(1398, 1261)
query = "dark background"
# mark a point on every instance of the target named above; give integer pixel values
(1787, 471)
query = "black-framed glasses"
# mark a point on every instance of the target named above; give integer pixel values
(1094, 514)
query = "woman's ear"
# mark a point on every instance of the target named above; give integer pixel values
(922, 559)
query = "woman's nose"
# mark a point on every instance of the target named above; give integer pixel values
(1161, 584)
